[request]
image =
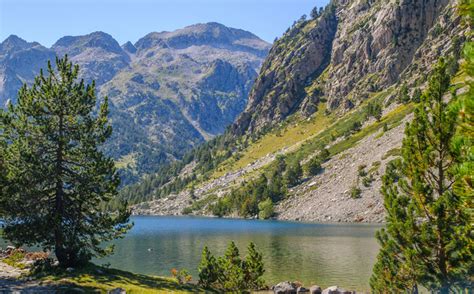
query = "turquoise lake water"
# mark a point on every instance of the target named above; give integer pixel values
(323, 254)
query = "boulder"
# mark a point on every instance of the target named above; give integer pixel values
(302, 290)
(315, 289)
(284, 288)
(336, 290)
(117, 291)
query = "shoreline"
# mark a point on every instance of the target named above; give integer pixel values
(309, 222)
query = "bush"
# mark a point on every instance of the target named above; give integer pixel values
(367, 181)
(265, 209)
(355, 192)
(313, 167)
(361, 170)
(182, 276)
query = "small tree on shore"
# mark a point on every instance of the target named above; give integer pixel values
(427, 239)
(57, 179)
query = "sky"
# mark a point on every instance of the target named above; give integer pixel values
(45, 21)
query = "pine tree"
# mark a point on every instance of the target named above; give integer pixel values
(293, 173)
(463, 142)
(208, 269)
(403, 96)
(427, 239)
(230, 265)
(253, 268)
(416, 95)
(57, 177)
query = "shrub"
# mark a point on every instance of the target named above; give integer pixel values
(361, 170)
(313, 167)
(182, 276)
(355, 192)
(265, 209)
(367, 181)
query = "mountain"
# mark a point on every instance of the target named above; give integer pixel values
(20, 61)
(332, 97)
(168, 92)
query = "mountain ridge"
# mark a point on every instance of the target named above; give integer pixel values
(163, 100)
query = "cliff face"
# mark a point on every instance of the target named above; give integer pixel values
(360, 46)
(376, 38)
(294, 61)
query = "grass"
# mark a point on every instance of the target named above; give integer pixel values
(93, 279)
(289, 136)
(392, 117)
(127, 161)
(15, 259)
(392, 152)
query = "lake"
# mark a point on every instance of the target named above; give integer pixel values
(323, 254)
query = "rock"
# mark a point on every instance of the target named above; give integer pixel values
(302, 290)
(336, 290)
(315, 289)
(284, 288)
(117, 291)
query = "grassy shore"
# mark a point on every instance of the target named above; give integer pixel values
(94, 279)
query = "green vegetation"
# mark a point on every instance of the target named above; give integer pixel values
(355, 192)
(229, 272)
(265, 209)
(15, 259)
(92, 278)
(428, 237)
(56, 177)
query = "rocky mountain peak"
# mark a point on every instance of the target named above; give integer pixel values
(76, 44)
(211, 34)
(14, 43)
(128, 47)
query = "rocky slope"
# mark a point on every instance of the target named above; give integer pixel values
(168, 92)
(314, 91)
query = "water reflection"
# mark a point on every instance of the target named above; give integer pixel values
(310, 253)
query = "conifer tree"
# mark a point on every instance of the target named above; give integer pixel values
(427, 240)
(208, 269)
(293, 173)
(57, 179)
(230, 265)
(253, 268)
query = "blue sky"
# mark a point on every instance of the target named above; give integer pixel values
(45, 21)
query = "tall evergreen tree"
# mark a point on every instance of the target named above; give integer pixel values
(57, 179)
(428, 238)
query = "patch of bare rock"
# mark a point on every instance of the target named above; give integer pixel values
(327, 197)
(296, 288)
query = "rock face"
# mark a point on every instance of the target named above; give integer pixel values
(376, 38)
(298, 57)
(168, 92)
(20, 61)
(360, 46)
